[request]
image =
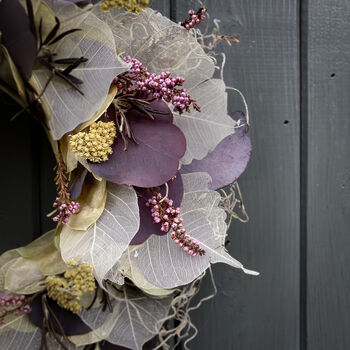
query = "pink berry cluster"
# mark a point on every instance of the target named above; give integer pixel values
(194, 18)
(161, 86)
(64, 210)
(163, 212)
(13, 305)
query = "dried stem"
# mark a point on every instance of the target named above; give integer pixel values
(48, 326)
(61, 181)
(63, 202)
(231, 200)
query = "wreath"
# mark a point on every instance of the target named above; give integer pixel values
(135, 108)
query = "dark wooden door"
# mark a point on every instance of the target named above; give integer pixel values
(293, 65)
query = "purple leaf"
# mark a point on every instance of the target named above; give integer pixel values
(77, 185)
(147, 226)
(71, 323)
(155, 158)
(228, 160)
(17, 36)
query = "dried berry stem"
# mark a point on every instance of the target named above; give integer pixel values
(14, 305)
(164, 213)
(160, 86)
(194, 18)
(63, 202)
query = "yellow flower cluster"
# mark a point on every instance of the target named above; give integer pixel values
(94, 145)
(67, 290)
(128, 5)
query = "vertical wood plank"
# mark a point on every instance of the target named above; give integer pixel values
(328, 204)
(163, 6)
(260, 312)
(19, 206)
(47, 187)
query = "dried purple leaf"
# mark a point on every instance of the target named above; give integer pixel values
(17, 36)
(76, 186)
(71, 323)
(154, 158)
(147, 226)
(228, 160)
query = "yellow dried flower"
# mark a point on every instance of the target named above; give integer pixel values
(96, 144)
(129, 5)
(68, 289)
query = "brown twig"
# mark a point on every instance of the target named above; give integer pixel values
(61, 181)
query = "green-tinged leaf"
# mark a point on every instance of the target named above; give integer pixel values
(10, 74)
(92, 203)
(8, 256)
(21, 334)
(7, 260)
(85, 339)
(24, 269)
(69, 157)
(147, 287)
(39, 246)
(22, 324)
(24, 277)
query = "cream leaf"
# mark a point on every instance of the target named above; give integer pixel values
(164, 264)
(105, 241)
(64, 107)
(135, 319)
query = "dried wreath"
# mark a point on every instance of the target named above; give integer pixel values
(145, 151)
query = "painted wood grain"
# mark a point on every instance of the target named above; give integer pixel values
(260, 312)
(163, 6)
(328, 174)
